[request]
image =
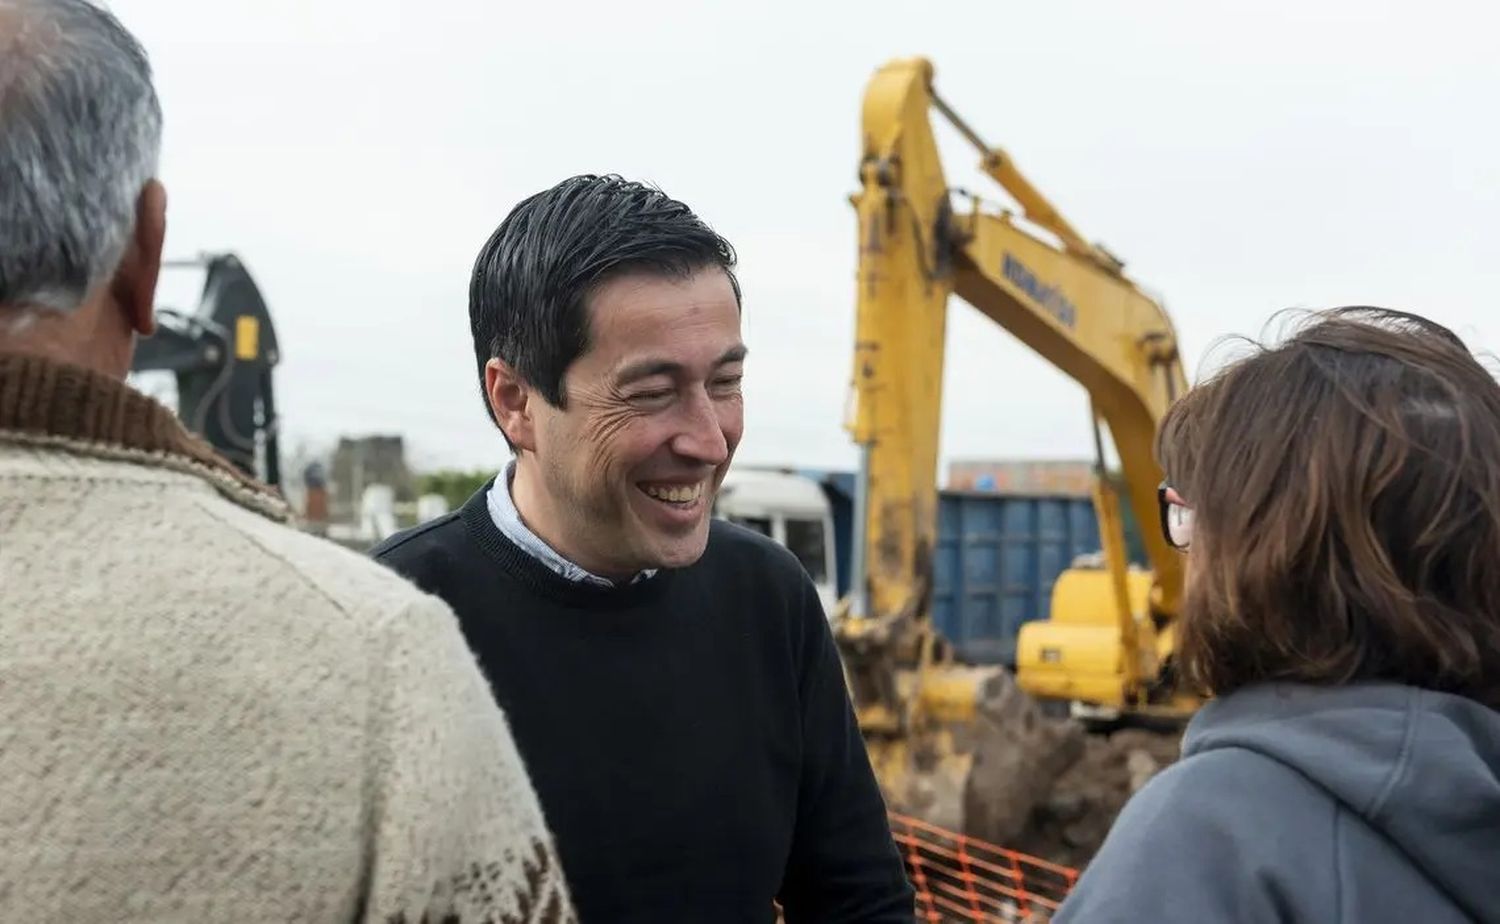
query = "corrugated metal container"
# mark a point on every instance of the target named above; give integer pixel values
(996, 560)
(1070, 477)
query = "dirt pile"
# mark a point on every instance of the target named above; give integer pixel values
(984, 776)
(1069, 825)
(1018, 756)
(1015, 776)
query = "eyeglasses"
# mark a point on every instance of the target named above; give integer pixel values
(1176, 517)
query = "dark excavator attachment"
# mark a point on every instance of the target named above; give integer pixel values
(222, 355)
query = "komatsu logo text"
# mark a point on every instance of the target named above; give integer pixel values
(1050, 298)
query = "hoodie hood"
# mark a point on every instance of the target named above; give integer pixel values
(1421, 767)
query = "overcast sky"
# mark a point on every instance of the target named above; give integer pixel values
(1242, 158)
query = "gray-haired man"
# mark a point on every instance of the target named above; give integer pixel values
(205, 715)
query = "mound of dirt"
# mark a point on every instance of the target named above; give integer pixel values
(1018, 756)
(1016, 776)
(1069, 825)
(986, 776)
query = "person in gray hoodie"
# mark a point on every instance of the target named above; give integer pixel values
(1338, 499)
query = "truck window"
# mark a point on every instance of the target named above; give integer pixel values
(761, 525)
(805, 539)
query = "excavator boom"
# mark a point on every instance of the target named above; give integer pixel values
(1068, 300)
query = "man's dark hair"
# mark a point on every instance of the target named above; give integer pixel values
(528, 297)
(1346, 494)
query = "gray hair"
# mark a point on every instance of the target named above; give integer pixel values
(80, 134)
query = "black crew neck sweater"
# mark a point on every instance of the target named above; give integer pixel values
(689, 736)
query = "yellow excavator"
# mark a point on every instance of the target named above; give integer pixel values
(960, 744)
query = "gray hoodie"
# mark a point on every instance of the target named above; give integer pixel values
(1371, 803)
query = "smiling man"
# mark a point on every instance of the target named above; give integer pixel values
(670, 678)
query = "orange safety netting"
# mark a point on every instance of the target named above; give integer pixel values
(959, 878)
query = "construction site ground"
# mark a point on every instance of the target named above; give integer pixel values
(1069, 825)
(1044, 801)
(1033, 783)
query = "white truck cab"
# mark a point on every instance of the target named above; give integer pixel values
(792, 510)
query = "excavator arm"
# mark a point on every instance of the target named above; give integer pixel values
(222, 356)
(1067, 300)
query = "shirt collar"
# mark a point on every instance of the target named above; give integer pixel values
(502, 508)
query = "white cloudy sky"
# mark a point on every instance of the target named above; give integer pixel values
(1242, 157)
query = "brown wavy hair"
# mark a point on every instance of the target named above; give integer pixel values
(1346, 495)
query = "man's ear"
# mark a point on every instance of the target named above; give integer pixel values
(134, 285)
(510, 404)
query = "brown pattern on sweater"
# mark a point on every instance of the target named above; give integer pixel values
(86, 411)
(542, 902)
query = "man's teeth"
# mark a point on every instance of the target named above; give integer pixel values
(677, 495)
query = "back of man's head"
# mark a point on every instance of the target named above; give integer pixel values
(80, 215)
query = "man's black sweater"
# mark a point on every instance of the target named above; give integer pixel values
(689, 735)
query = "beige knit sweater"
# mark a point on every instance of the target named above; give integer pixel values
(207, 715)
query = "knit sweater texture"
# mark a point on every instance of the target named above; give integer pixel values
(208, 715)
